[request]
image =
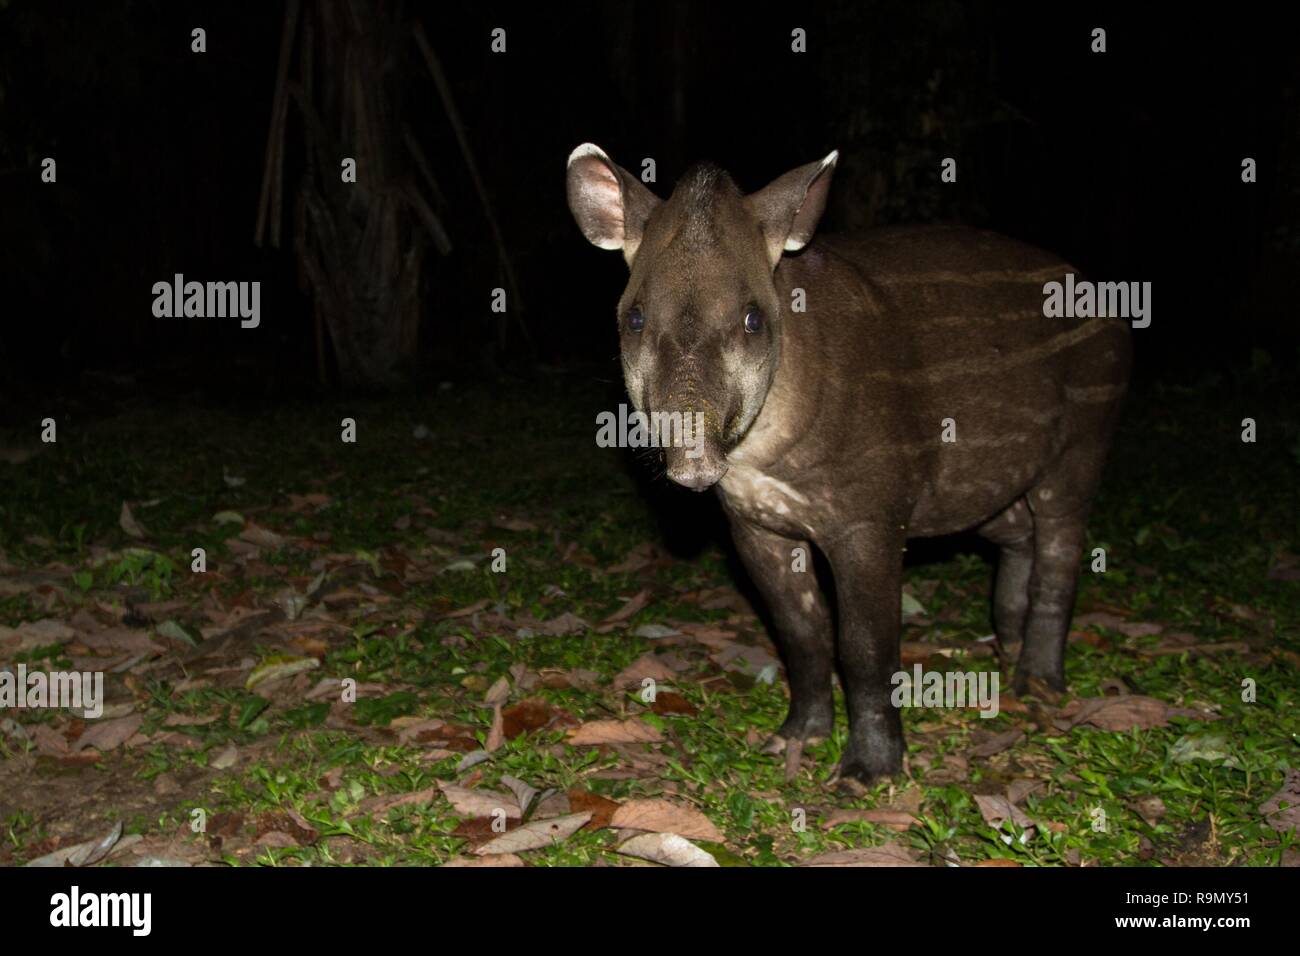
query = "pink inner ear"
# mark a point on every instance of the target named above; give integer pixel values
(601, 195)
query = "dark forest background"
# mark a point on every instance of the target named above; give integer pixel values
(1127, 162)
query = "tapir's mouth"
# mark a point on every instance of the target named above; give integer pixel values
(698, 480)
(698, 468)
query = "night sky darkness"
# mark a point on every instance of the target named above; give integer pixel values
(1128, 163)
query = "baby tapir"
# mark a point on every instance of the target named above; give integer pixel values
(872, 388)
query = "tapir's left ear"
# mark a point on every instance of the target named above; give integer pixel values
(609, 203)
(789, 208)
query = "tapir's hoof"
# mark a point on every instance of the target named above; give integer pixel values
(1048, 687)
(777, 743)
(810, 729)
(856, 778)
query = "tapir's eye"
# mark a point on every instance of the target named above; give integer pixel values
(635, 320)
(753, 319)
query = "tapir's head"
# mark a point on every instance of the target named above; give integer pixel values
(700, 320)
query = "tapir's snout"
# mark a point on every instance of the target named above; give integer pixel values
(699, 473)
(694, 456)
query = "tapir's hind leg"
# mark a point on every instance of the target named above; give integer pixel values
(1013, 532)
(803, 623)
(1060, 505)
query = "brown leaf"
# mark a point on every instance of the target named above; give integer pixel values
(492, 859)
(564, 625)
(632, 731)
(630, 607)
(1151, 809)
(533, 836)
(1277, 816)
(480, 803)
(188, 720)
(527, 715)
(1139, 628)
(660, 816)
(127, 522)
(1019, 790)
(106, 734)
(382, 803)
(894, 819)
(646, 666)
(670, 849)
(467, 610)
(638, 559)
(916, 652)
(890, 854)
(601, 808)
(498, 692)
(994, 809)
(507, 523)
(1122, 713)
(261, 537)
(998, 743)
(496, 734)
(49, 742)
(668, 703)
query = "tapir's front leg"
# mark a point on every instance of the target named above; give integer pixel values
(803, 624)
(867, 560)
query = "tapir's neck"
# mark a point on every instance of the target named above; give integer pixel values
(806, 375)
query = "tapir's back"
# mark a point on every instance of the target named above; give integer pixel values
(953, 305)
(945, 326)
(966, 296)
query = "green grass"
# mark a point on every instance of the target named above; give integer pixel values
(1190, 517)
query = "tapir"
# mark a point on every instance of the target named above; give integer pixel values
(857, 391)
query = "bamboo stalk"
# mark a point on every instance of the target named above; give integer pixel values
(275, 134)
(449, 104)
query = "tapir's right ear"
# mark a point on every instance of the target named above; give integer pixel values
(789, 209)
(609, 203)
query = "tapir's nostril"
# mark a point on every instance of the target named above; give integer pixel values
(697, 476)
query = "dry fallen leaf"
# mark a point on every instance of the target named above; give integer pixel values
(894, 819)
(382, 803)
(480, 803)
(660, 816)
(496, 734)
(891, 854)
(493, 859)
(614, 732)
(1151, 809)
(602, 809)
(994, 809)
(1282, 818)
(106, 734)
(1122, 713)
(535, 835)
(467, 610)
(646, 666)
(630, 607)
(127, 522)
(670, 849)
(998, 743)
(534, 713)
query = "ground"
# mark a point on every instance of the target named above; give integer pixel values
(614, 679)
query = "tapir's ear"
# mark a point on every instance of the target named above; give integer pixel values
(610, 204)
(789, 208)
